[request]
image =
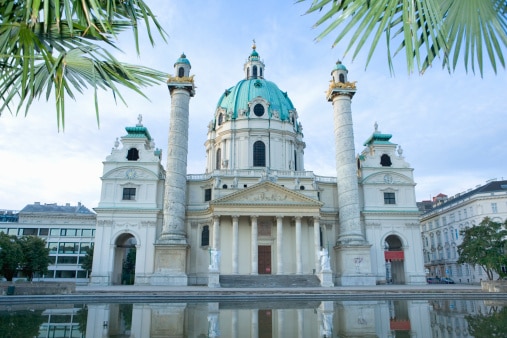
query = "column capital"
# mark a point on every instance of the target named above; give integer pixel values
(254, 217)
(235, 217)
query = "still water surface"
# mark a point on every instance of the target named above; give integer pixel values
(375, 318)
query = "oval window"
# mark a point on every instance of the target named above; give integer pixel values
(258, 109)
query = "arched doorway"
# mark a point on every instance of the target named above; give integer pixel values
(394, 258)
(124, 260)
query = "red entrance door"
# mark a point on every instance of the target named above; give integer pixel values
(264, 259)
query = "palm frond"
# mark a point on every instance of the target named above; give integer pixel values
(472, 30)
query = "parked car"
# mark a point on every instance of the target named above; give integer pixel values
(446, 280)
(433, 280)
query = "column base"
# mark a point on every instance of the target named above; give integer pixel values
(213, 279)
(326, 279)
(170, 265)
(353, 265)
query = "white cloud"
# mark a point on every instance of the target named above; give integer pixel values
(450, 126)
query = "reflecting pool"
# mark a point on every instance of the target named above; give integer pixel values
(375, 318)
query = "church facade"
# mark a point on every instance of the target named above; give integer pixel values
(255, 210)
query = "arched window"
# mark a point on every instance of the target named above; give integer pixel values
(259, 154)
(254, 69)
(259, 110)
(385, 160)
(205, 236)
(133, 154)
(181, 72)
(220, 119)
(260, 72)
(218, 159)
(295, 160)
(341, 78)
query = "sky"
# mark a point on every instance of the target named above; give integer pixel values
(450, 126)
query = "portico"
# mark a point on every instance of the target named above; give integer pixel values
(255, 237)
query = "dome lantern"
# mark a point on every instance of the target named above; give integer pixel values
(254, 67)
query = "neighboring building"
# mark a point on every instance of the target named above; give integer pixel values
(256, 210)
(68, 231)
(441, 228)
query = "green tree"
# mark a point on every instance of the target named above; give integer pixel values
(23, 323)
(87, 260)
(35, 256)
(493, 324)
(59, 47)
(129, 268)
(10, 256)
(471, 30)
(485, 245)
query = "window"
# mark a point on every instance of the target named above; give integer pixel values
(30, 231)
(133, 154)
(207, 195)
(85, 247)
(65, 274)
(389, 198)
(494, 208)
(53, 247)
(259, 154)
(295, 160)
(54, 232)
(220, 119)
(341, 78)
(259, 110)
(181, 72)
(129, 194)
(218, 159)
(385, 160)
(43, 231)
(87, 233)
(205, 236)
(67, 260)
(68, 232)
(254, 68)
(68, 248)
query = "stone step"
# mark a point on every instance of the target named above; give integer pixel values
(268, 281)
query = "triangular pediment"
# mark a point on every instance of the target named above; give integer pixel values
(267, 193)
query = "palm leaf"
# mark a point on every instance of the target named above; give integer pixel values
(52, 46)
(469, 30)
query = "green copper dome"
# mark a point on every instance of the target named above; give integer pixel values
(340, 66)
(236, 98)
(182, 59)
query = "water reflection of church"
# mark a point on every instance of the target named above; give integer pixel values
(256, 208)
(386, 318)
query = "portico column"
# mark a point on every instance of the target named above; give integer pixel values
(316, 241)
(255, 253)
(235, 244)
(216, 232)
(279, 245)
(299, 257)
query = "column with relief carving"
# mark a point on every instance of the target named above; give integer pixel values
(351, 245)
(172, 246)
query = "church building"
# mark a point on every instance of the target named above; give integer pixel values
(255, 215)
